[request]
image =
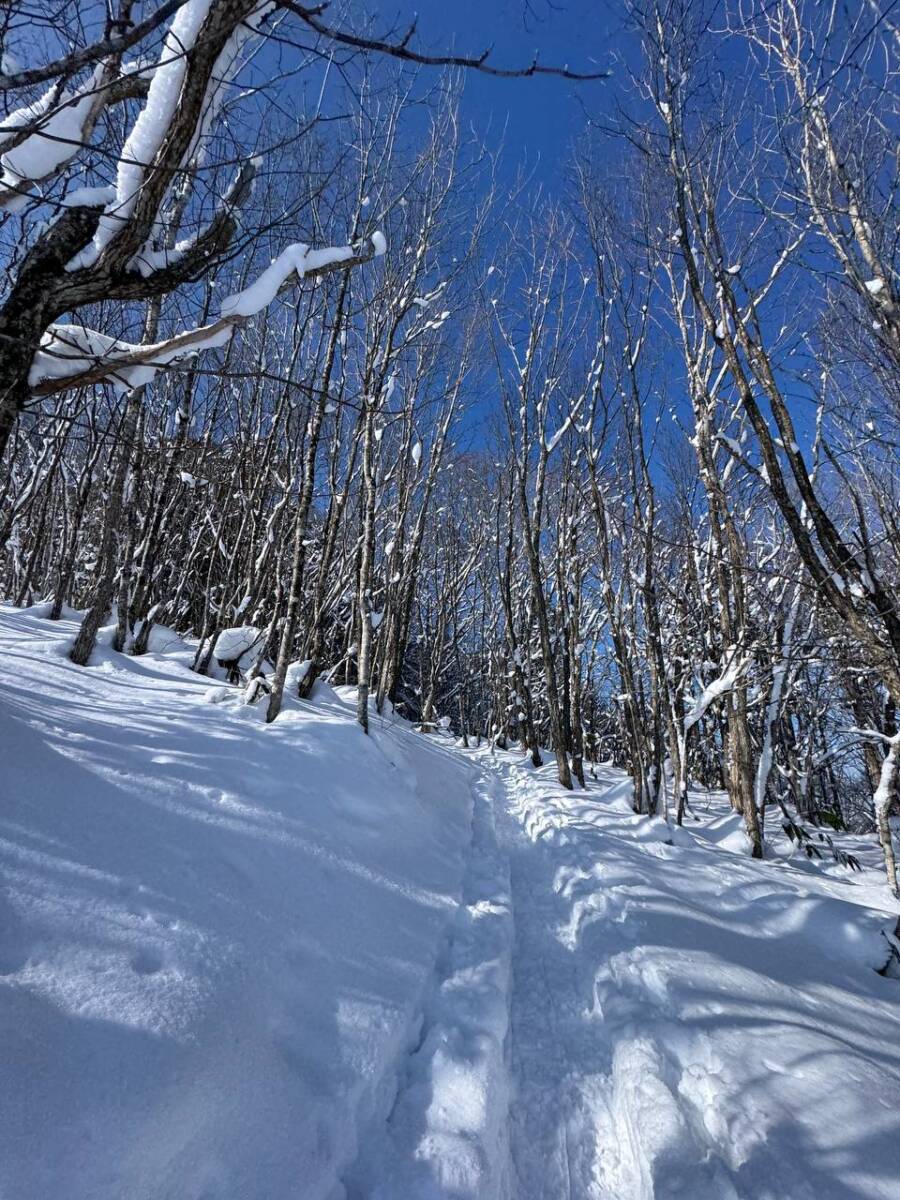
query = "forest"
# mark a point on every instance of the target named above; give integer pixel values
(294, 365)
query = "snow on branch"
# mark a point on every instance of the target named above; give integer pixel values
(551, 443)
(719, 687)
(150, 128)
(149, 134)
(115, 44)
(39, 138)
(73, 356)
(300, 261)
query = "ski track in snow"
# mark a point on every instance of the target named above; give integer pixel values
(446, 1133)
(554, 1108)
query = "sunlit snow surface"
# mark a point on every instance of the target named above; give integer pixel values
(215, 936)
(251, 962)
(688, 1022)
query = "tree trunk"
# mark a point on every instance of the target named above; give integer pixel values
(94, 617)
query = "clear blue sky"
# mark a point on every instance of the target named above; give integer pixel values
(545, 116)
(542, 116)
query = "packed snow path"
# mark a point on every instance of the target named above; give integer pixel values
(682, 1022)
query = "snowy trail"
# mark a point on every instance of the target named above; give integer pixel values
(591, 1109)
(446, 1132)
(244, 962)
(554, 1060)
(625, 1011)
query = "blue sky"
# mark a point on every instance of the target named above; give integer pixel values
(542, 116)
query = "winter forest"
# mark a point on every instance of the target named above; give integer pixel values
(332, 416)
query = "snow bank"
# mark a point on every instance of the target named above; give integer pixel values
(692, 1023)
(214, 946)
(259, 962)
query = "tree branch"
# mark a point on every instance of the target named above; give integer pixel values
(114, 44)
(401, 49)
(162, 354)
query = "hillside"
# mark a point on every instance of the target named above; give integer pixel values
(246, 961)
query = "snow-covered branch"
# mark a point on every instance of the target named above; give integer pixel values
(720, 686)
(72, 356)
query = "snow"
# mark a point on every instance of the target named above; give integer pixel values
(232, 644)
(720, 686)
(688, 1022)
(150, 127)
(296, 673)
(88, 197)
(447, 1136)
(215, 948)
(56, 138)
(152, 124)
(295, 259)
(379, 243)
(557, 437)
(68, 350)
(887, 783)
(251, 961)
(874, 286)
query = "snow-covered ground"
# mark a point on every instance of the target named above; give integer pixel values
(217, 937)
(686, 1022)
(241, 961)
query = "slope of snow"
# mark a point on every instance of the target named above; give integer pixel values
(217, 937)
(241, 961)
(687, 1022)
